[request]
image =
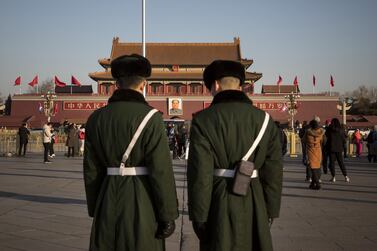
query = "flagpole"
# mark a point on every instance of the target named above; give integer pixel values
(143, 36)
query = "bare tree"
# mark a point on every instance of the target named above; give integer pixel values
(363, 92)
(365, 100)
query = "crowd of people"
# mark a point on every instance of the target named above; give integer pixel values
(75, 138)
(325, 146)
(177, 139)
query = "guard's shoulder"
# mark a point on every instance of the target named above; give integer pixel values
(257, 110)
(196, 114)
(92, 119)
(202, 113)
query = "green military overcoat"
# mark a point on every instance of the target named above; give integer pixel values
(126, 209)
(220, 136)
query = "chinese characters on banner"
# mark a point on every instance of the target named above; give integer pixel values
(263, 105)
(269, 106)
(83, 105)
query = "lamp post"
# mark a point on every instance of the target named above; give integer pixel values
(292, 110)
(344, 106)
(48, 104)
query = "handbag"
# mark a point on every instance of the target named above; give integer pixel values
(244, 169)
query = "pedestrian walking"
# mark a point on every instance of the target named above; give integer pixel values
(71, 140)
(233, 191)
(46, 141)
(129, 179)
(283, 139)
(301, 134)
(358, 141)
(325, 149)
(51, 148)
(181, 141)
(23, 133)
(372, 145)
(335, 141)
(313, 140)
(172, 139)
(344, 129)
(82, 139)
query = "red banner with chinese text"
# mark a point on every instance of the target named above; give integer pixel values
(90, 105)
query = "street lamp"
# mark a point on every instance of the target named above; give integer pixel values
(292, 110)
(48, 105)
(344, 106)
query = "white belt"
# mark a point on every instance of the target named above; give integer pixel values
(127, 171)
(229, 173)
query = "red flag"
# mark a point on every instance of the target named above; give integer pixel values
(313, 80)
(59, 83)
(74, 81)
(295, 82)
(331, 81)
(280, 80)
(34, 81)
(56, 108)
(17, 81)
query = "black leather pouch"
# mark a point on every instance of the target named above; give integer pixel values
(242, 177)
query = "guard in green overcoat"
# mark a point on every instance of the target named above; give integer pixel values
(134, 207)
(220, 136)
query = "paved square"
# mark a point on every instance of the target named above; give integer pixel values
(42, 207)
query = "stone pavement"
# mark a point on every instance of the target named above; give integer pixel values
(42, 207)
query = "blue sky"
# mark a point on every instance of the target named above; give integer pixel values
(287, 38)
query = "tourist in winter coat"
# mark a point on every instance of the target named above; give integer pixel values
(358, 140)
(335, 141)
(82, 140)
(372, 145)
(71, 140)
(23, 133)
(46, 141)
(313, 139)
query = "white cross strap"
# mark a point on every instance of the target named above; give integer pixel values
(259, 137)
(229, 173)
(136, 136)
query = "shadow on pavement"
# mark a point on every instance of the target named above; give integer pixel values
(42, 199)
(330, 198)
(39, 176)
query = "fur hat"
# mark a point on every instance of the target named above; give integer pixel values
(130, 65)
(223, 68)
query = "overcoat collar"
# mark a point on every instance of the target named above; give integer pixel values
(127, 95)
(231, 96)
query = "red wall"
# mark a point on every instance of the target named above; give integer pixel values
(306, 111)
